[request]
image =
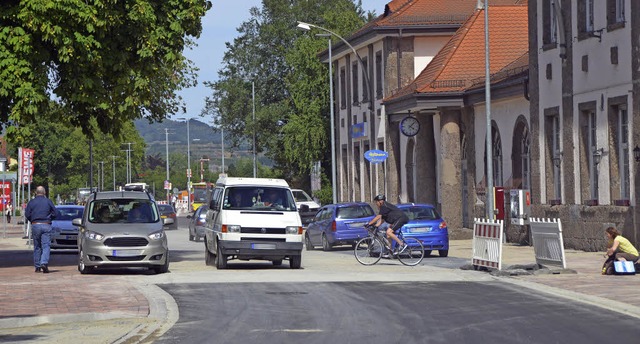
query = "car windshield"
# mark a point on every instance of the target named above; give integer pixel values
(354, 212)
(165, 208)
(68, 214)
(123, 210)
(421, 213)
(258, 198)
(301, 196)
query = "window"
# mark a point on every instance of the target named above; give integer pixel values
(623, 151)
(589, 16)
(589, 153)
(365, 89)
(343, 89)
(379, 74)
(550, 23)
(594, 154)
(553, 155)
(497, 157)
(615, 14)
(354, 82)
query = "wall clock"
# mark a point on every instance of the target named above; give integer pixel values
(409, 126)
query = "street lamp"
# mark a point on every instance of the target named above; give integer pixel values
(188, 165)
(166, 141)
(307, 27)
(114, 172)
(3, 160)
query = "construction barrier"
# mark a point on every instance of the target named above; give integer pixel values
(547, 242)
(487, 243)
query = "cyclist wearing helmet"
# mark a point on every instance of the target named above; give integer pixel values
(395, 217)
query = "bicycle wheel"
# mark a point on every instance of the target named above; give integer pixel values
(413, 254)
(368, 251)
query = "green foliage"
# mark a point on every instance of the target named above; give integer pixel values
(244, 168)
(291, 84)
(104, 62)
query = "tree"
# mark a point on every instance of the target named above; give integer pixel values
(104, 62)
(291, 84)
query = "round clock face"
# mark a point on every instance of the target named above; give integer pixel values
(409, 126)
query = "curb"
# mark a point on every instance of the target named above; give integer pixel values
(163, 314)
(17, 322)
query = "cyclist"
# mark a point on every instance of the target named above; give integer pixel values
(394, 217)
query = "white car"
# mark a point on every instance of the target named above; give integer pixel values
(303, 198)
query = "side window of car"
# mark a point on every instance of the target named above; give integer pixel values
(327, 213)
(318, 216)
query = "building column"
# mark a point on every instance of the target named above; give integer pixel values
(450, 167)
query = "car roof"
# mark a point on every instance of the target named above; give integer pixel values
(406, 205)
(121, 194)
(70, 206)
(236, 181)
(165, 206)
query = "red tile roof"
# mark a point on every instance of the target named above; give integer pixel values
(462, 59)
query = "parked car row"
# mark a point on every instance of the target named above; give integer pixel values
(343, 224)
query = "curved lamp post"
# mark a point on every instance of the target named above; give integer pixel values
(307, 27)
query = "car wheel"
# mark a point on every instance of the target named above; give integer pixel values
(326, 246)
(443, 253)
(277, 262)
(307, 243)
(81, 267)
(221, 259)
(164, 268)
(209, 258)
(427, 253)
(295, 262)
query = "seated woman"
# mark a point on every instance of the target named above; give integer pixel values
(104, 215)
(619, 248)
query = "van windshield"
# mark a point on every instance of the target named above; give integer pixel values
(258, 198)
(123, 210)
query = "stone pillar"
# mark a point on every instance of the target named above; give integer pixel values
(425, 168)
(451, 167)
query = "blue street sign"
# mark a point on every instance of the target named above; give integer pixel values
(376, 156)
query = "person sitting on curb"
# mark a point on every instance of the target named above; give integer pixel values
(619, 248)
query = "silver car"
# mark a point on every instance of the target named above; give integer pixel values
(121, 229)
(64, 235)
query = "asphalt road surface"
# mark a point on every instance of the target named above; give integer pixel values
(379, 312)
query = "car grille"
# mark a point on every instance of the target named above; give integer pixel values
(125, 259)
(251, 230)
(264, 239)
(126, 242)
(66, 242)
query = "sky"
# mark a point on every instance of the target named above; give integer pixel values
(219, 26)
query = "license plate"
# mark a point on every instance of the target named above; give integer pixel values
(71, 237)
(263, 246)
(125, 253)
(420, 230)
(357, 224)
(163, 216)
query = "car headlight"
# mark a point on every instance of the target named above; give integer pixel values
(231, 228)
(293, 230)
(94, 235)
(156, 235)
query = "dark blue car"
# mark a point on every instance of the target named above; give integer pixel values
(426, 225)
(63, 233)
(338, 224)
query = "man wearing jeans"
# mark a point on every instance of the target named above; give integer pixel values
(40, 211)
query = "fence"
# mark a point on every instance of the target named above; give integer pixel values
(487, 243)
(547, 242)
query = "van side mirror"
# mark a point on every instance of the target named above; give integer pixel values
(213, 205)
(304, 208)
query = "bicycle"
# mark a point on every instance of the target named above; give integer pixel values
(370, 250)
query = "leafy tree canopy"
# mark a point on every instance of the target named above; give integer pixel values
(104, 62)
(291, 83)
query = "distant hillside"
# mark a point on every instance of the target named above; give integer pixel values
(155, 133)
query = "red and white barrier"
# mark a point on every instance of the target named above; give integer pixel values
(487, 243)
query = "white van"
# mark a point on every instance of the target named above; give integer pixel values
(252, 218)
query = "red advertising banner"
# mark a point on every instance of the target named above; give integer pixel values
(26, 165)
(5, 194)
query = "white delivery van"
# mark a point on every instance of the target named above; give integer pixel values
(252, 218)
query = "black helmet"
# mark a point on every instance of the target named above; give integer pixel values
(379, 197)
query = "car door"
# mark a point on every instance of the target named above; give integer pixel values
(326, 221)
(314, 230)
(212, 214)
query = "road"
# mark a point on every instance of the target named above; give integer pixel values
(333, 299)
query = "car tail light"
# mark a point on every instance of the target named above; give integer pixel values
(333, 226)
(443, 224)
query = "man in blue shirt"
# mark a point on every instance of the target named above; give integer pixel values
(40, 211)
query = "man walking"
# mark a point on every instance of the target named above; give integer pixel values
(40, 211)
